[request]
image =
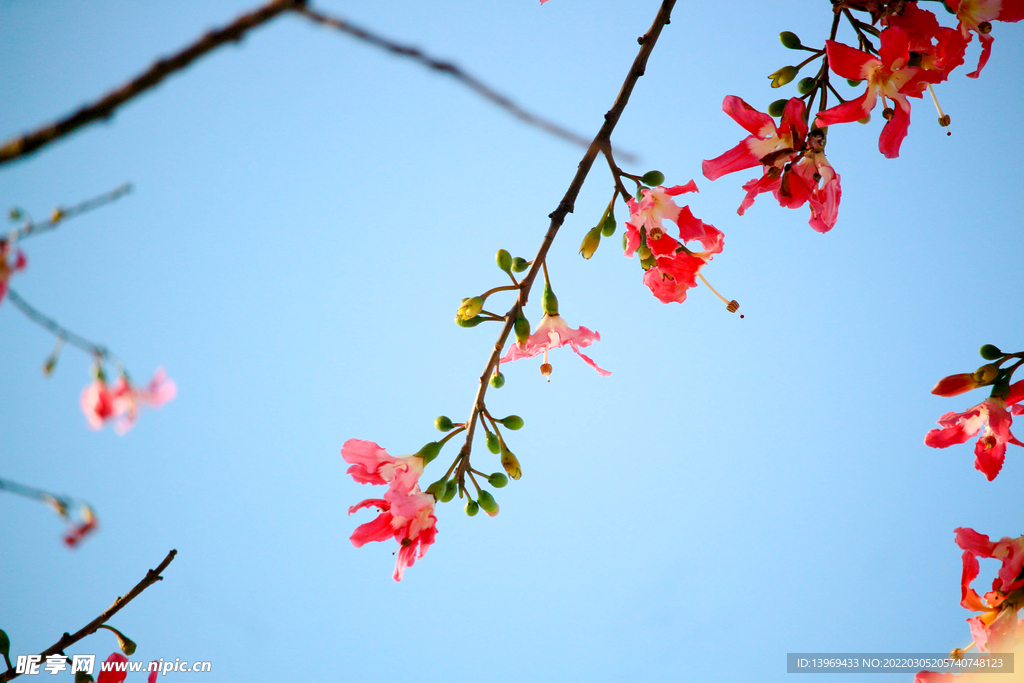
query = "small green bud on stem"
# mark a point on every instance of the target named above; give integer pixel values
(487, 502)
(504, 260)
(493, 443)
(511, 464)
(429, 451)
(519, 264)
(990, 352)
(608, 226)
(497, 480)
(450, 489)
(522, 328)
(777, 107)
(590, 243)
(783, 76)
(470, 308)
(548, 301)
(497, 380)
(512, 422)
(437, 489)
(653, 178)
(472, 507)
(790, 40)
(443, 423)
(805, 85)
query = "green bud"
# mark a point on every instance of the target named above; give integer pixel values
(437, 488)
(450, 489)
(472, 322)
(443, 423)
(470, 308)
(504, 260)
(608, 226)
(548, 301)
(990, 352)
(498, 480)
(590, 242)
(497, 380)
(15, 214)
(512, 422)
(488, 503)
(519, 264)
(790, 40)
(853, 82)
(1001, 390)
(429, 451)
(644, 252)
(511, 464)
(522, 328)
(805, 85)
(648, 263)
(783, 76)
(5, 644)
(493, 443)
(653, 178)
(986, 373)
(777, 107)
(624, 244)
(126, 644)
(82, 677)
(472, 507)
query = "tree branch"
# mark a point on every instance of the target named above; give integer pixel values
(60, 214)
(98, 351)
(452, 70)
(22, 146)
(67, 640)
(600, 143)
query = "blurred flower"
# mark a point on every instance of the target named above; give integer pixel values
(128, 399)
(97, 403)
(7, 268)
(553, 332)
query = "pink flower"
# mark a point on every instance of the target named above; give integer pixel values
(992, 419)
(128, 399)
(553, 332)
(79, 531)
(97, 403)
(996, 626)
(976, 16)
(656, 206)
(795, 168)
(6, 268)
(888, 76)
(114, 674)
(407, 514)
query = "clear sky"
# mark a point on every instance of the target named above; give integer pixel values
(308, 213)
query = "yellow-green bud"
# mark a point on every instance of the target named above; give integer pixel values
(519, 264)
(443, 423)
(450, 489)
(472, 507)
(990, 352)
(429, 451)
(487, 502)
(653, 178)
(522, 328)
(126, 644)
(805, 85)
(497, 380)
(504, 260)
(644, 252)
(493, 443)
(548, 301)
(472, 322)
(608, 226)
(648, 263)
(511, 464)
(986, 373)
(437, 489)
(497, 480)
(777, 107)
(790, 40)
(783, 76)
(512, 422)
(590, 242)
(470, 307)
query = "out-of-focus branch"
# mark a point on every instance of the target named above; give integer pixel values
(22, 146)
(96, 350)
(600, 144)
(67, 640)
(455, 72)
(60, 214)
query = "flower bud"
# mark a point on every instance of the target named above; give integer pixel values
(624, 242)
(522, 329)
(437, 489)
(443, 423)
(504, 260)
(653, 178)
(590, 242)
(82, 677)
(429, 451)
(55, 217)
(777, 107)
(955, 385)
(511, 464)
(472, 507)
(497, 480)
(497, 380)
(472, 322)
(470, 308)
(783, 76)
(853, 82)
(5, 642)
(805, 85)
(790, 40)
(487, 502)
(126, 644)
(548, 301)
(990, 352)
(519, 264)
(648, 263)
(450, 489)
(493, 443)
(15, 213)
(644, 252)
(608, 226)
(986, 373)
(513, 422)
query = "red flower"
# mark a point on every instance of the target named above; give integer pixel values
(6, 268)
(976, 16)
(938, 49)
(996, 626)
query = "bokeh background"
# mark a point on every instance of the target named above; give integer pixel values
(309, 211)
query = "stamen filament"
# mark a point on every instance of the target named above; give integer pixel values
(943, 119)
(728, 304)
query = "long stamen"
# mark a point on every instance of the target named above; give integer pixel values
(943, 118)
(731, 306)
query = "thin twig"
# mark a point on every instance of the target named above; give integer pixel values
(455, 72)
(600, 143)
(22, 146)
(62, 214)
(96, 350)
(67, 640)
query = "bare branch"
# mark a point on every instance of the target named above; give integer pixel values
(60, 214)
(67, 640)
(96, 350)
(22, 146)
(455, 72)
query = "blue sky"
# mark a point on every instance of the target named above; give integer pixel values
(307, 214)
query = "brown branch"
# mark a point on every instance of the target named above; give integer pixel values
(601, 143)
(22, 146)
(455, 72)
(67, 640)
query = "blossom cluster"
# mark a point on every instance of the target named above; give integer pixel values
(122, 402)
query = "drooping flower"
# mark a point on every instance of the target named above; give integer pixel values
(97, 402)
(128, 399)
(655, 206)
(407, 514)
(996, 626)
(796, 171)
(552, 333)
(889, 77)
(936, 49)
(976, 16)
(993, 419)
(7, 268)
